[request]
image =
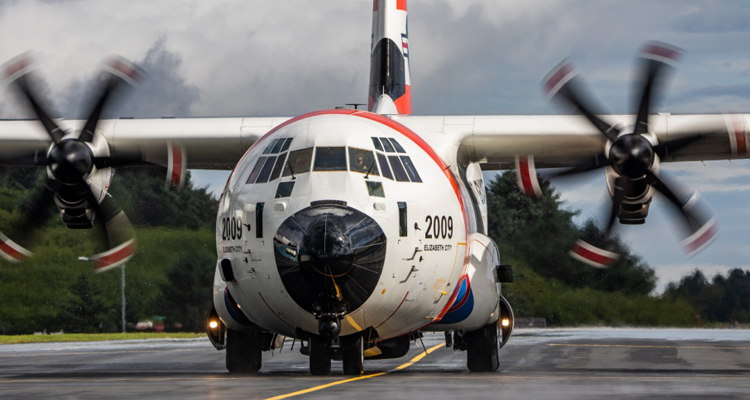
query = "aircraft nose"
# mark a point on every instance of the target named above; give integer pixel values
(329, 256)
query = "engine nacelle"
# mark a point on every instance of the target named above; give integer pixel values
(635, 205)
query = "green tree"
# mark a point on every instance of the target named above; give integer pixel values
(86, 311)
(186, 296)
(723, 299)
(542, 232)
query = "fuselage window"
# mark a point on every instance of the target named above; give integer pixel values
(375, 189)
(278, 167)
(259, 220)
(398, 169)
(270, 146)
(284, 189)
(402, 220)
(387, 146)
(256, 170)
(397, 146)
(384, 166)
(377, 144)
(330, 159)
(410, 169)
(287, 142)
(362, 161)
(266, 171)
(298, 162)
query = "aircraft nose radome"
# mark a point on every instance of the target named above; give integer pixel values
(330, 254)
(328, 244)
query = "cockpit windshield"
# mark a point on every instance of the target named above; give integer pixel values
(330, 159)
(362, 161)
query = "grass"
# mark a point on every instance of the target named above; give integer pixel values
(95, 337)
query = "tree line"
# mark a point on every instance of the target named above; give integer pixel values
(171, 275)
(536, 234)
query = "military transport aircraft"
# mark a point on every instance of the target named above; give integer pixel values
(354, 231)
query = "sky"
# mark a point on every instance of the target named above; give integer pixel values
(286, 57)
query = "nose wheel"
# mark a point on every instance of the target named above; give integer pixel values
(353, 351)
(320, 360)
(350, 351)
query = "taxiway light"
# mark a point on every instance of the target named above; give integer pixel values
(213, 324)
(505, 322)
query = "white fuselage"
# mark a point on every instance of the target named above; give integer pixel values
(425, 223)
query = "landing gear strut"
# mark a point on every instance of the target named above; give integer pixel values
(243, 352)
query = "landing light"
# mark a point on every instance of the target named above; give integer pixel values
(505, 322)
(213, 324)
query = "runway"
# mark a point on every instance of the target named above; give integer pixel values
(536, 364)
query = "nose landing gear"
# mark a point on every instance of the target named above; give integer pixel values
(349, 349)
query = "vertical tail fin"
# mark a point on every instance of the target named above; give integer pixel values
(390, 79)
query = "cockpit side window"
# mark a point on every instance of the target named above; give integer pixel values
(330, 159)
(277, 146)
(362, 161)
(397, 146)
(410, 169)
(398, 169)
(268, 148)
(278, 167)
(387, 146)
(384, 166)
(256, 170)
(265, 173)
(287, 142)
(377, 144)
(298, 162)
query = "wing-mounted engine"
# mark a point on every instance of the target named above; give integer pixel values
(79, 164)
(637, 195)
(630, 158)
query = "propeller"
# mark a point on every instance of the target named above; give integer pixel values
(78, 167)
(632, 153)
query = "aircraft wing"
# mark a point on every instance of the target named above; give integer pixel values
(563, 140)
(493, 141)
(211, 143)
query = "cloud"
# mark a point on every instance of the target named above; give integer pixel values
(164, 92)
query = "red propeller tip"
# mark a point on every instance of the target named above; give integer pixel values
(662, 52)
(114, 257)
(12, 251)
(526, 175)
(592, 255)
(558, 77)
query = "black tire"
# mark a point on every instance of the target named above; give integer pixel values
(320, 361)
(353, 355)
(482, 349)
(243, 352)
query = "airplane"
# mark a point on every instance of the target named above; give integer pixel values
(356, 231)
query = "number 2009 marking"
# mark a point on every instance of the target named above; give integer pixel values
(231, 228)
(439, 227)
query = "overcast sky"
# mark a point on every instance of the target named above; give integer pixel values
(286, 57)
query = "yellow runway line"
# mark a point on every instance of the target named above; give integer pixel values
(359, 378)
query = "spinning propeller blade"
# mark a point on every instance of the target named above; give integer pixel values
(632, 153)
(72, 162)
